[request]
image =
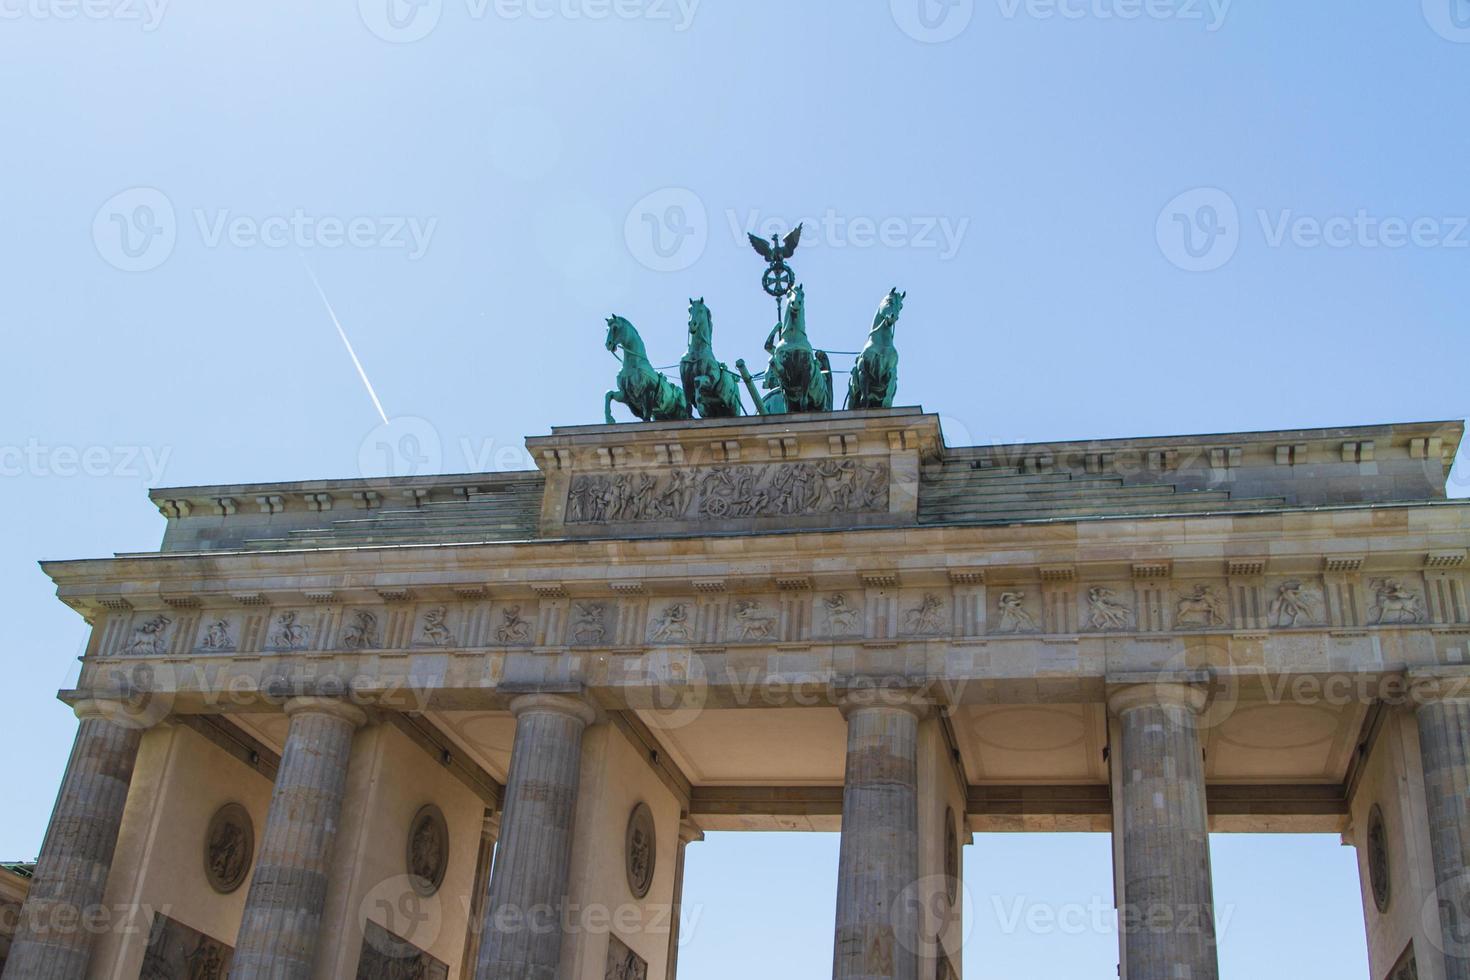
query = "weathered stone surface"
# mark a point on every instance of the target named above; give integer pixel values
(1443, 713)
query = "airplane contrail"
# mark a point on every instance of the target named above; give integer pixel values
(345, 342)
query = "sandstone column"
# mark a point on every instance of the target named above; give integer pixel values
(1442, 700)
(877, 933)
(522, 931)
(484, 862)
(689, 832)
(281, 926)
(60, 920)
(1168, 919)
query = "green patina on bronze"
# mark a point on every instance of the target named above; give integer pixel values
(797, 380)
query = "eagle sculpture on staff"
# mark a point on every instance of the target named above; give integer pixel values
(779, 277)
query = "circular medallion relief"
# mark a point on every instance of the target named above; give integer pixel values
(229, 848)
(951, 857)
(642, 846)
(1378, 871)
(428, 850)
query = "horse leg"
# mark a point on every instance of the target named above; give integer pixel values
(612, 396)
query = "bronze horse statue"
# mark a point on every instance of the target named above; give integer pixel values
(647, 393)
(875, 375)
(711, 387)
(800, 377)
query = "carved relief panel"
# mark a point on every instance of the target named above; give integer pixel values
(384, 956)
(623, 963)
(437, 625)
(839, 615)
(1295, 602)
(229, 848)
(176, 951)
(513, 623)
(1016, 609)
(1201, 606)
(1108, 608)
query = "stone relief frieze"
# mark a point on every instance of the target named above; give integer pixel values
(1107, 612)
(1295, 604)
(673, 625)
(1012, 616)
(927, 618)
(362, 632)
(229, 848)
(513, 628)
(589, 622)
(177, 952)
(751, 622)
(218, 636)
(428, 850)
(289, 633)
(623, 963)
(149, 637)
(835, 486)
(435, 630)
(1200, 608)
(385, 956)
(641, 850)
(843, 618)
(1395, 604)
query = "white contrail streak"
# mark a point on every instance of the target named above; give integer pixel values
(345, 342)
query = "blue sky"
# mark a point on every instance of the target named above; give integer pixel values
(1112, 218)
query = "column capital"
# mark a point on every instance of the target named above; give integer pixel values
(335, 707)
(1432, 685)
(125, 713)
(557, 704)
(910, 701)
(1187, 689)
(690, 832)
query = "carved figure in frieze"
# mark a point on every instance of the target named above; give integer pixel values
(623, 963)
(673, 625)
(1200, 609)
(147, 639)
(1395, 603)
(513, 629)
(842, 618)
(363, 633)
(590, 625)
(436, 627)
(672, 502)
(928, 618)
(1294, 605)
(1013, 615)
(289, 634)
(217, 636)
(1105, 611)
(177, 952)
(751, 623)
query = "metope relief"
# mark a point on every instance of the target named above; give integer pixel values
(1200, 608)
(362, 631)
(434, 630)
(1295, 604)
(149, 637)
(288, 632)
(842, 616)
(219, 636)
(589, 622)
(513, 628)
(927, 618)
(1395, 604)
(750, 622)
(385, 956)
(1106, 611)
(836, 486)
(1012, 615)
(674, 624)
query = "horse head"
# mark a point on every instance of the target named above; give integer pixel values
(889, 309)
(795, 320)
(620, 333)
(701, 324)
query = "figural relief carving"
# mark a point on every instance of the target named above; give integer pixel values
(1395, 604)
(837, 486)
(843, 619)
(229, 848)
(1013, 615)
(175, 950)
(1105, 611)
(751, 622)
(642, 850)
(428, 850)
(1378, 870)
(1295, 605)
(217, 637)
(673, 626)
(512, 628)
(928, 618)
(385, 956)
(623, 963)
(590, 626)
(148, 638)
(1200, 609)
(363, 633)
(288, 633)
(436, 629)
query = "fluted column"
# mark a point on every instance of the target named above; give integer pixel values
(484, 862)
(689, 832)
(281, 927)
(522, 931)
(1442, 701)
(877, 933)
(54, 940)
(1168, 919)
